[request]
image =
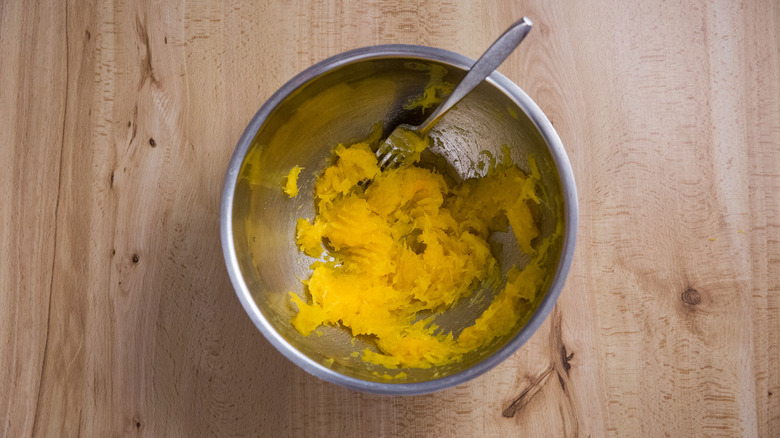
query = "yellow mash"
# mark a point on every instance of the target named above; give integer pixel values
(291, 182)
(408, 242)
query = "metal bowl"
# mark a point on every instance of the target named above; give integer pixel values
(337, 101)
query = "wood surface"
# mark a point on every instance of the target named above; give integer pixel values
(117, 121)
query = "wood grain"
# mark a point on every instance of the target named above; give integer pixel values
(118, 120)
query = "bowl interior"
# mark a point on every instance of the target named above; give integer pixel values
(341, 106)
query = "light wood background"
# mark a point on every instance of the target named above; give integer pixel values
(117, 121)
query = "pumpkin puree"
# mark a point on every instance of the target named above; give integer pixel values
(408, 242)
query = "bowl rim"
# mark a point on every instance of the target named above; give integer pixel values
(503, 84)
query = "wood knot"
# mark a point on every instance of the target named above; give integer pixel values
(691, 297)
(565, 359)
(135, 258)
(152, 143)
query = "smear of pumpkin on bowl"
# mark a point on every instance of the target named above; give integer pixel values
(291, 181)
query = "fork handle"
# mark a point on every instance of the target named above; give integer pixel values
(485, 65)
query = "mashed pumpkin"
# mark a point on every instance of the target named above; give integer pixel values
(291, 182)
(408, 242)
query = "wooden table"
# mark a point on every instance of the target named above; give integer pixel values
(117, 121)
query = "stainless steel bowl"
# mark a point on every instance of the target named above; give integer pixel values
(337, 101)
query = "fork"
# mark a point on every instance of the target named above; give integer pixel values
(395, 148)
